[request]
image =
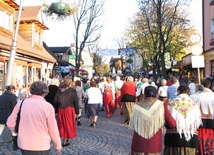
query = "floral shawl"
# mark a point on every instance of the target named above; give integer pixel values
(187, 115)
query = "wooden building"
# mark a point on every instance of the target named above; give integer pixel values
(32, 61)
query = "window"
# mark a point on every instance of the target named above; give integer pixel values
(212, 29)
(6, 20)
(38, 38)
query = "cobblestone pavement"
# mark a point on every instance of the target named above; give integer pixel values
(110, 137)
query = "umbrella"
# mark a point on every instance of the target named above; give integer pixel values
(83, 70)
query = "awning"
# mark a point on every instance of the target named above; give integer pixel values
(178, 65)
(25, 48)
(83, 71)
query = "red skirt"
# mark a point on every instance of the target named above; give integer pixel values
(206, 141)
(118, 98)
(66, 122)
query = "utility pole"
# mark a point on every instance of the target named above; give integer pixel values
(13, 48)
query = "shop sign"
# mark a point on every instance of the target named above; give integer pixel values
(198, 61)
(209, 56)
(186, 60)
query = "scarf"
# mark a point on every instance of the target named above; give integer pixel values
(204, 99)
(147, 122)
(187, 115)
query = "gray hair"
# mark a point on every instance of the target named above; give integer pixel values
(39, 88)
(199, 88)
(163, 82)
(145, 80)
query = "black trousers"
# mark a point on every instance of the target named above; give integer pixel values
(27, 152)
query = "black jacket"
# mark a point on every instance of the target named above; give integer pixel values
(7, 103)
(67, 98)
(51, 96)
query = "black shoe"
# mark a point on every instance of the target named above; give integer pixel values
(78, 123)
(126, 121)
(91, 124)
(94, 124)
(66, 144)
(15, 148)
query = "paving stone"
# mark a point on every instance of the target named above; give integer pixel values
(110, 137)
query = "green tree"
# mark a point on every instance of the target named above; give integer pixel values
(87, 22)
(103, 69)
(97, 61)
(160, 27)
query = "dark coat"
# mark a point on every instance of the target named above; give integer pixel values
(7, 103)
(67, 98)
(50, 97)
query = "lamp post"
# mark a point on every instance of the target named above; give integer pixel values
(197, 58)
(13, 48)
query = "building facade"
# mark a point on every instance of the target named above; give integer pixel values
(32, 61)
(208, 36)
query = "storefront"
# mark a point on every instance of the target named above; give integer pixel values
(188, 70)
(209, 63)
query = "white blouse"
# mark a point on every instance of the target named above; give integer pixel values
(162, 91)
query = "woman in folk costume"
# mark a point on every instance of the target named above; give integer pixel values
(184, 138)
(109, 97)
(205, 100)
(128, 92)
(67, 101)
(118, 84)
(147, 120)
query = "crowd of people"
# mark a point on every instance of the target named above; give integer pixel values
(51, 113)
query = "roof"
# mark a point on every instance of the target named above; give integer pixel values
(59, 49)
(24, 48)
(32, 14)
(60, 61)
(12, 3)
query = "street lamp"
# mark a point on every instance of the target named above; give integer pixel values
(13, 48)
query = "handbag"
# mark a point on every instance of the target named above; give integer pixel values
(18, 118)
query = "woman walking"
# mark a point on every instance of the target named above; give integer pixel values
(68, 108)
(37, 127)
(109, 97)
(184, 138)
(8, 101)
(128, 92)
(147, 120)
(205, 100)
(95, 100)
(162, 91)
(81, 98)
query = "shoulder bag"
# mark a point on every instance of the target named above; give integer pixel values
(18, 117)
